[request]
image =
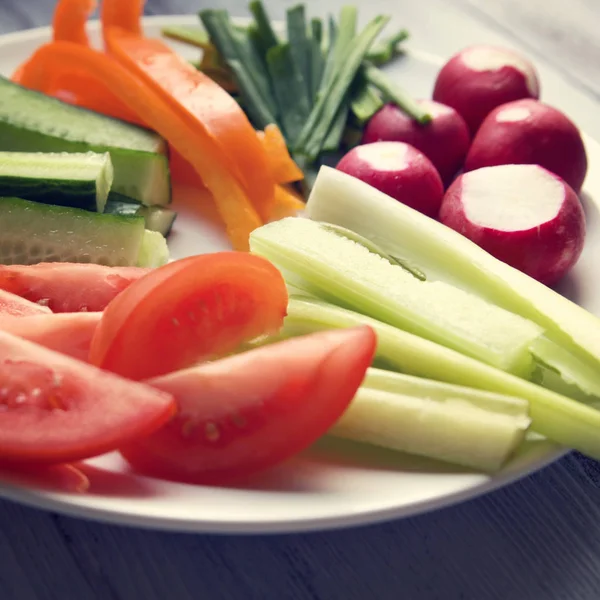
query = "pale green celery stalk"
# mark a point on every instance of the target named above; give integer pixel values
(348, 274)
(562, 420)
(446, 255)
(447, 422)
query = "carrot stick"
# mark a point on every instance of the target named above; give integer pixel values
(69, 21)
(189, 138)
(284, 169)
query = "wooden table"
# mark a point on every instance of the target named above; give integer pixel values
(538, 539)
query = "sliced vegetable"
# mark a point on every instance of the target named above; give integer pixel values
(283, 168)
(198, 307)
(157, 218)
(154, 251)
(446, 255)
(562, 420)
(288, 203)
(523, 215)
(68, 287)
(300, 50)
(196, 36)
(65, 179)
(254, 410)
(34, 122)
(15, 306)
(68, 333)
(58, 409)
(121, 15)
(204, 105)
(192, 144)
(452, 423)
(263, 23)
(34, 232)
(339, 270)
(69, 20)
(317, 58)
(365, 103)
(384, 51)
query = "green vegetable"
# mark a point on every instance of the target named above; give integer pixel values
(346, 273)
(300, 49)
(452, 423)
(337, 128)
(33, 122)
(560, 419)
(263, 24)
(157, 218)
(336, 84)
(65, 179)
(317, 59)
(445, 255)
(195, 36)
(290, 90)
(394, 93)
(365, 102)
(154, 251)
(32, 232)
(384, 51)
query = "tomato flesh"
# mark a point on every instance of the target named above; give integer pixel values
(13, 305)
(67, 333)
(248, 412)
(189, 310)
(68, 287)
(56, 409)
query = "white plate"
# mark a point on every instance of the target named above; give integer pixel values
(334, 484)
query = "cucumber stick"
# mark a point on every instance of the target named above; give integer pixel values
(33, 232)
(154, 251)
(33, 122)
(157, 218)
(560, 419)
(65, 179)
(346, 273)
(446, 255)
(452, 423)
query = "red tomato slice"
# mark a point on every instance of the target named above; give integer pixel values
(67, 333)
(55, 409)
(11, 304)
(188, 310)
(60, 478)
(251, 411)
(68, 287)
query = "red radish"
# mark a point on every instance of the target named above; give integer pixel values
(479, 78)
(530, 132)
(398, 170)
(523, 215)
(444, 141)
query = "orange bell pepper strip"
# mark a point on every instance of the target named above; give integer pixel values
(69, 21)
(204, 104)
(189, 139)
(283, 168)
(287, 203)
(124, 14)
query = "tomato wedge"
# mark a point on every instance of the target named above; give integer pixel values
(68, 287)
(67, 333)
(65, 478)
(248, 412)
(189, 310)
(55, 409)
(11, 304)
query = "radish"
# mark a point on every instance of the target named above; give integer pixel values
(524, 215)
(444, 141)
(530, 132)
(398, 170)
(479, 78)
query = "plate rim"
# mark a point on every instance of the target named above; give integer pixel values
(64, 504)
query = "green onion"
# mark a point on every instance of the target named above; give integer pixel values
(333, 92)
(394, 93)
(336, 131)
(195, 36)
(383, 52)
(289, 90)
(317, 59)
(300, 48)
(268, 36)
(365, 102)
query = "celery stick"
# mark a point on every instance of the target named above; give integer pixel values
(452, 423)
(564, 421)
(289, 87)
(343, 272)
(394, 93)
(446, 255)
(336, 85)
(300, 48)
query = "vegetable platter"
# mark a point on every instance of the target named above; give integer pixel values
(218, 314)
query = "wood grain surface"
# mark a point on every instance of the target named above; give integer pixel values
(538, 539)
